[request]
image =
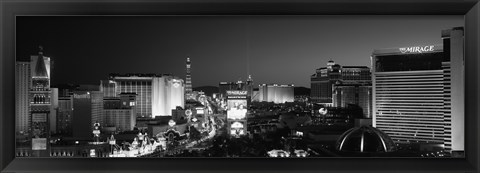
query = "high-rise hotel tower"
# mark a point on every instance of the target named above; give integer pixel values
(325, 78)
(156, 95)
(23, 78)
(418, 92)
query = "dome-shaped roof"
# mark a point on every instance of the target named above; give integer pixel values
(365, 139)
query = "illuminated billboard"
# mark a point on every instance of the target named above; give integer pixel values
(237, 128)
(236, 105)
(200, 110)
(236, 109)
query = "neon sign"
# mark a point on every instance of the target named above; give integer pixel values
(417, 49)
(236, 92)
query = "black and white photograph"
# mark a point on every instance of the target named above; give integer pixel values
(242, 86)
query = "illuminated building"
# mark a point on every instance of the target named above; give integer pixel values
(408, 94)
(120, 112)
(168, 93)
(324, 78)
(345, 95)
(237, 106)
(418, 92)
(108, 87)
(22, 105)
(157, 95)
(87, 110)
(188, 80)
(276, 93)
(65, 115)
(455, 115)
(40, 103)
(132, 83)
(322, 81)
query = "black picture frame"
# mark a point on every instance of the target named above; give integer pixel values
(9, 9)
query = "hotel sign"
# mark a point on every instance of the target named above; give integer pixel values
(417, 49)
(233, 92)
(237, 94)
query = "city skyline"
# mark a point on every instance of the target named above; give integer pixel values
(409, 103)
(86, 49)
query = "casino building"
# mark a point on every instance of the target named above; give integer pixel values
(418, 92)
(325, 78)
(157, 95)
(275, 93)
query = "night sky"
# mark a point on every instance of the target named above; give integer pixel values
(273, 49)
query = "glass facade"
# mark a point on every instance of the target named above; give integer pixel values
(22, 105)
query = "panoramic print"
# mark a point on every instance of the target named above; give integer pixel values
(239, 86)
